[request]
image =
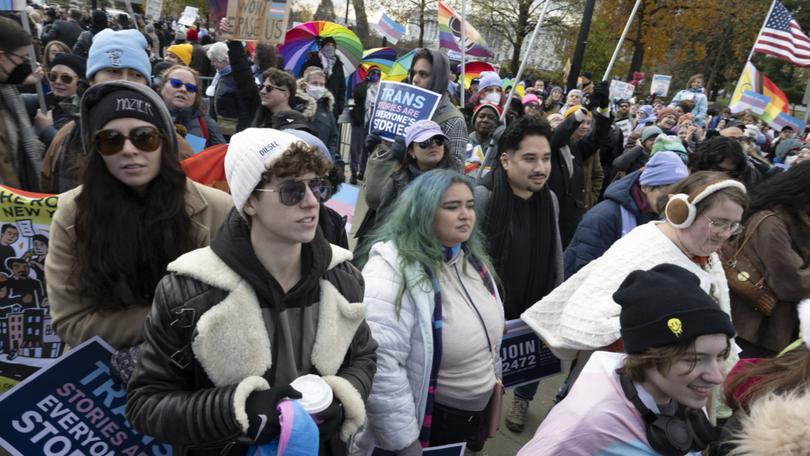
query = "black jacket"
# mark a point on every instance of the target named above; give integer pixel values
(207, 348)
(65, 31)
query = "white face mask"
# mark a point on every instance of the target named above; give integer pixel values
(329, 52)
(316, 92)
(492, 97)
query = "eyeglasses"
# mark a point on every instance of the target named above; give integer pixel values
(293, 192)
(270, 87)
(176, 83)
(720, 227)
(110, 142)
(437, 140)
(65, 78)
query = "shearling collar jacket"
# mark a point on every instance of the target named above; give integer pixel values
(207, 348)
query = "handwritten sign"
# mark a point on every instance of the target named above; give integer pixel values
(260, 20)
(399, 105)
(524, 358)
(620, 90)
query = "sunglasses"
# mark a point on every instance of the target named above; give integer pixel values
(437, 140)
(176, 83)
(293, 192)
(65, 78)
(270, 87)
(110, 142)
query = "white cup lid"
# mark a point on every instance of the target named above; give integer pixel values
(317, 394)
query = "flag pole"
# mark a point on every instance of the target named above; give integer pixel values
(621, 40)
(516, 80)
(751, 54)
(463, 47)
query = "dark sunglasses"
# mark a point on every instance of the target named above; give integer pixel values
(65, 78)
(110, 142)
(293, 192)
(438, 140)
(270, 87)
(176, 83)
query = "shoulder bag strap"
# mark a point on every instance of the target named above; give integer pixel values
(750, 234)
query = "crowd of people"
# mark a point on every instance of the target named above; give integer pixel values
(616, 229)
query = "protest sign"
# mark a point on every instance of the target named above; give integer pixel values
(260, 20)
(399, 105)
(626, 127)
(620, 90)
(153, 9)
(454, 449)
(524, 358)
(27, 340)
(12, 5)
(660, 85)
(73, 407)
(189, 16)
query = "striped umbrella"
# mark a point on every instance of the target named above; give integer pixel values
(400, 68)
(473, 70)
(302, 39)
(382, 58)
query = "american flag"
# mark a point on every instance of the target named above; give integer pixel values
(783, 37)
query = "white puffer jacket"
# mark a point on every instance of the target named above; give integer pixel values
(396, 405)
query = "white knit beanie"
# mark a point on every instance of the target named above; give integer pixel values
(250, 152)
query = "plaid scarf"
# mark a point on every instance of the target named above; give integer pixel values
(449, 253)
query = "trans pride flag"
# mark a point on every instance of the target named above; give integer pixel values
(450, 24)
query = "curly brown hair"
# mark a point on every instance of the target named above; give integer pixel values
(300, 158)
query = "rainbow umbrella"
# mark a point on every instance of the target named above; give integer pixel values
(382, 58)
(400, 68)
(302, 39)
(473, 70)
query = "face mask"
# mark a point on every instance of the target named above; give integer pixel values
(374, 77)
(329, 52)
(20, 72)
(492, 97)
(316, 92)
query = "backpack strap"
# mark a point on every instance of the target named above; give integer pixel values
(203, 127)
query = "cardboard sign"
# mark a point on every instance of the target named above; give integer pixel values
(660, 85)
(260, 20)
(399, 105)
(524, 358)
(454, 449)
(620, 90)
(27, 339)
(153, 9)
(73, 407)
(626, 127)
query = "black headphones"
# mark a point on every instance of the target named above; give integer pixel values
(687, 430)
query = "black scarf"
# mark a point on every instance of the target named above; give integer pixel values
(497, 226)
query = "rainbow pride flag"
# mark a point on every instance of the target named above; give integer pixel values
(752, 80)
(450, 24)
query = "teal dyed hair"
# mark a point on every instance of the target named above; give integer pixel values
(410, 226)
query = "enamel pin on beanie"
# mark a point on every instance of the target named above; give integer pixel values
(665, 305)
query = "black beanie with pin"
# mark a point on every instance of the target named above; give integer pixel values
(665, 305)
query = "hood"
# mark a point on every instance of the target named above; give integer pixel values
(97, 91)
(327, 97)
(619, 191)
(777, 424)
(304, 103)
(441, 72)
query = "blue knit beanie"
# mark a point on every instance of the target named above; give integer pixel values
(664, 168)
(488, 79)
(121, 49)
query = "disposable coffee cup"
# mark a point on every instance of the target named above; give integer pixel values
(316, 393)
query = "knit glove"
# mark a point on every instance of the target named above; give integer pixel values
(262, 414)
(414, 449)
(398, 149)
(329, 420)
(600, 98)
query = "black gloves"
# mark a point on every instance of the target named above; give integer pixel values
(600, 98)
(372, 140)
(398, 149)
(329, 420)
(262, 414)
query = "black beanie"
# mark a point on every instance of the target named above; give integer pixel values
(72, 61)
(664, 306)
(122, 104)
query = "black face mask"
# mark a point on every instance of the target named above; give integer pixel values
(20, 72)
